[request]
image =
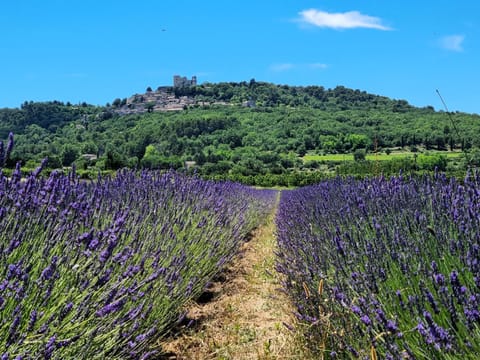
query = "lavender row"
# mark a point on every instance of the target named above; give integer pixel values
(103, 269)
(386, 268)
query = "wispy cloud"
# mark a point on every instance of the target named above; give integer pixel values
(452, 42)
(281, 67)
(319, 66)
(346, 20)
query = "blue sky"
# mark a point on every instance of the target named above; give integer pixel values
(96, 51)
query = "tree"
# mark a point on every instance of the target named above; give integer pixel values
(149, 106)
(69, 154)
(117, 102)
(359, 155)
(113, 158)
(89, 148)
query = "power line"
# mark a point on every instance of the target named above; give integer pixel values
(448, 113)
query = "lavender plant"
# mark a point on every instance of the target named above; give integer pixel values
(385, 268)
(96, 270)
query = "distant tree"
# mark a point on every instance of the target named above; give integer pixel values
(149, 89)
(54, 162)
(359, 155)
(301, 150)
(69, 154)
(89, 148)
(117, 102)
(149, 106)
(113, 158)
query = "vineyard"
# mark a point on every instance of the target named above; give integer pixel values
(105, 269)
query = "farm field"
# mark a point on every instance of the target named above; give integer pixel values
(115, 268)
(380, 156)
(384, 268)
(103, 270)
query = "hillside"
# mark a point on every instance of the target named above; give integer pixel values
(253, 94)
(239, 131)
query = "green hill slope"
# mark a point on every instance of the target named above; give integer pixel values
(266, 139)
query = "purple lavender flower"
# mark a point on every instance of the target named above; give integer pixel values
(49, 271)
(140, 338)
(135, 312)
(65, 311)
(421, 329)
(14, 270)
(439, 279)
(39, 169)
(366, 320)
(102, 280)
(432, 302)
(5, 154)
(472, 312)
(2, 155)
(9, 144)
(380, 316)
(434, 334)
(86, 237)
(110, 308)
(12, 334)
(92, 245)
(392, 326)
(356, 310)
(148, 355)
(454, 279)
(50, 347)
(33, 320)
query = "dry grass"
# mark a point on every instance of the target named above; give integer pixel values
(244, 320)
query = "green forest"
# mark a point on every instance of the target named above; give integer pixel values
(253, 132)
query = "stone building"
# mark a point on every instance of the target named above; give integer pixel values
(182, 81)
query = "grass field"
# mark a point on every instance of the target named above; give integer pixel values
(379, 156)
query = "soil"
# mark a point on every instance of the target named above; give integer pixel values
(243, 314)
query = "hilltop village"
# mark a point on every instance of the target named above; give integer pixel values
(162, 99)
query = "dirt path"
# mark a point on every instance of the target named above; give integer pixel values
(244, 319)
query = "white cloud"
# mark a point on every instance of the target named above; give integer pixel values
(319, 66)
(282, 67)
(346, 20)
(452, 42)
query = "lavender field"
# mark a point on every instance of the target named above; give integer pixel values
(375, 268)
(103, 269)
(384, 268)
